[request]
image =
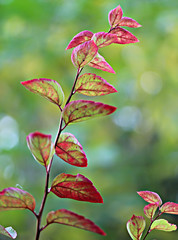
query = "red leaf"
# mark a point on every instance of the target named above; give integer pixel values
(124, 36)
(169, 207)
(81, 110)
(80, 38)
(41, 147)
(129, 22)
(163, 225)
(14, 198)
(100, 63)
(136, 226)
(75, 187)
(84, 53)
(150, 209)
(150, 197)
(47, 88)
(92, 85)
(8, 231)
(72, 219)
(70, 150)
(115, 16)
(103, 39)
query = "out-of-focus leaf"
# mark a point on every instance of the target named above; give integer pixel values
(72, 219)
(41, 147)
(15, 198)
(124, 36)
(47, 88)
(81, 110)
(150, 197)
(100, 63)
(115, 16)
(8, 231)
(103, 39)
(84, 53)
(80, 38)
(150, 209)
(70, 150)
(163, 225)
(129, 22)
(75, 187)
(169, 207)
(136, 226)
(92, 85)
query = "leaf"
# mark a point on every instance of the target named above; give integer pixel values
(115, 16)
(8, 231)
(84, 53)
(15, 198)
(124, 36)
(100, 63)
(150, 209)
(129, 22)
(81, 110)
(169, 207)
(150, 197)
(72, 219)
(41, 147)
(92, 85)
(75, 187)
(80, 38)
(136, 226)
(47, 88)
(103, 39)
(163, 225)
(70, 150)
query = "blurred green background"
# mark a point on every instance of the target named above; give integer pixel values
(134, 149)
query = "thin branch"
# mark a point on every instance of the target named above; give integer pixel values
(61, 128)
(148, 231)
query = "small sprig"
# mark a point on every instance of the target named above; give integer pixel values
(136, 225)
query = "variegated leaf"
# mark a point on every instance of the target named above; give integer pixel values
(100, 63)
(80, 38)
(46, 88)
(75, 187)
(70, 150)
(92, 85)
(63, 216)
(81, 110)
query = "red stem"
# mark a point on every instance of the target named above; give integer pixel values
(148, 231)
(46, 192)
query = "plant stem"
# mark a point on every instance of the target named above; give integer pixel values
(148, 231)
(46, 192)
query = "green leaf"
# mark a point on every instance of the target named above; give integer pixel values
(8, 231)
(92, 85)
(47, 88)
(72, 219)
(70, 150)
(81, 110)
(136, 226)
(169, 207)
(41, 147)
(75, 187)
(84, 53)
(163, 225)
(150, 209)
(15, 198)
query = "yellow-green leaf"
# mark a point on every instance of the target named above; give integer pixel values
(163, 225)
(46, 88)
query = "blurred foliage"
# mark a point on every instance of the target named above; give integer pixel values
(134, 149)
